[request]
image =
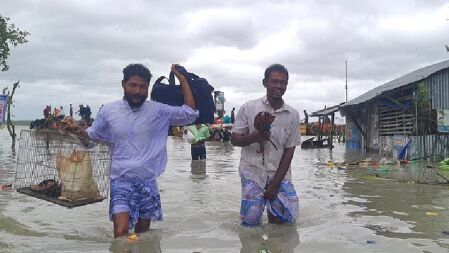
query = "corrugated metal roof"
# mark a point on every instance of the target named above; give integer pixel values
(326, 111)
(399, 82)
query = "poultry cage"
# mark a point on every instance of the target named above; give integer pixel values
(58, 167)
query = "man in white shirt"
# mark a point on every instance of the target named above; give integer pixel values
(266, 176)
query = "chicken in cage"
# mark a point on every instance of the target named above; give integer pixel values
(58, 167)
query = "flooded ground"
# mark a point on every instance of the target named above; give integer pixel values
(340, 211)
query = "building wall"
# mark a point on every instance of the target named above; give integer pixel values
(433, 146)
(429, 146)
(353, 135)
(373, 127)
(438, 88)
(436, 146)
(391, 146)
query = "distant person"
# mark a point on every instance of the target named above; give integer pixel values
(217, 134)
(87, 113)
(218, 121)
(306, 117)
(71, 111)
(266, 176)
(200, 134)
(61, 111)
(80, 112)
(47, 111)
(136, 130)
(226, 135)
(56, 112)
(60, 114)
(233, 115)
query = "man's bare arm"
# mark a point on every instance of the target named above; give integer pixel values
(189, 100)
(273, 187)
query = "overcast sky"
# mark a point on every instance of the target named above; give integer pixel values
(78, 48)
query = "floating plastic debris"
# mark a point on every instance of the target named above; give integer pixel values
(265, 237)
(431, 214)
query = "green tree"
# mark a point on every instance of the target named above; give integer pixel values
(10, 35)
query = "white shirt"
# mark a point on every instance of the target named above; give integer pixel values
(284, 134)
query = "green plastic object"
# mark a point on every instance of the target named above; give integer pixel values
(383, 169)
(444, 165)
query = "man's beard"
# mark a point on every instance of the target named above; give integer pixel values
(133, 104)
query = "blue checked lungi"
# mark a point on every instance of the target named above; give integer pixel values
(285, 205)
(140, 198)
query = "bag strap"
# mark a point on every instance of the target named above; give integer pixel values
(171, 79)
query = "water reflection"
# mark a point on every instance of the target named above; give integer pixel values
(198, 169)
(399, 210)
(227, 147)
(270, 237)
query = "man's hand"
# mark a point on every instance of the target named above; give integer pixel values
(271, 191)
(189, 100)
(261, 136)
(178, 75)
(70, 126)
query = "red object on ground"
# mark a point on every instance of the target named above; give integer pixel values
(6, 187)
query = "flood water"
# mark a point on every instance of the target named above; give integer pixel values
(340, 211)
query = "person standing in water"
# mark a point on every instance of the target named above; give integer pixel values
(200, 134)
(136, 130)
(266, 177)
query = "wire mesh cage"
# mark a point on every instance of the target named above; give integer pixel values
(58, 167)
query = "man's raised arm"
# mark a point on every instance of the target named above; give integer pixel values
(189, 100)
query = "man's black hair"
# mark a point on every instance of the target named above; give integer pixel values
(275, 68)
(136, 69)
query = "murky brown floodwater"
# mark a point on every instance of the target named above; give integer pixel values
(340, 211)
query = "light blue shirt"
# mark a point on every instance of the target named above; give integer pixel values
(138, 136)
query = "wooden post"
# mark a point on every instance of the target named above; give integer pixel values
(319, 128)
(10, 126)
(331, 139)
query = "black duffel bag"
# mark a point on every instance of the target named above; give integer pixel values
(171, 94)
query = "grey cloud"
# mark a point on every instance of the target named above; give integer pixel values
(228, 29)
(79, 47)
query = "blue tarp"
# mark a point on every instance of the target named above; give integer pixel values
(3, 102)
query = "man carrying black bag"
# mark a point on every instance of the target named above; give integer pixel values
(135, 129)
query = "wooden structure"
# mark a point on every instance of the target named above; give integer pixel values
(406, 118)
(321, 140)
